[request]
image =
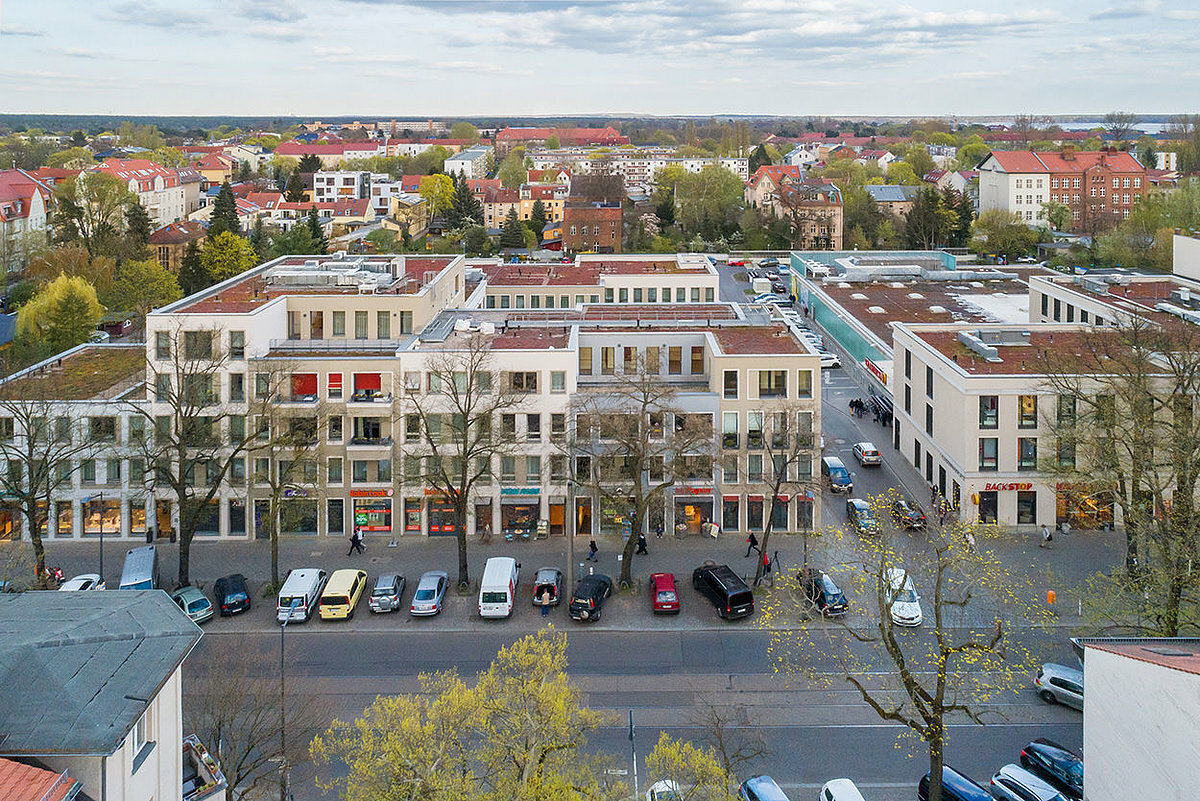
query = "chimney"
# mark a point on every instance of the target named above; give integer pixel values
(1068, 152)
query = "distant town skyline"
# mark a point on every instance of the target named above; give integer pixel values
(556, 57)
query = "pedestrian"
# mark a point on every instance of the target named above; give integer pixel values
(641, 548)
(766, 563)
(1047, 537)
(658, 531)
(970, 540)
(356, 542)
(1066, 527)
(487, 532)
(751, 545)
(592, 551)
(545, 603)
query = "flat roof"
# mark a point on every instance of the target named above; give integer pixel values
(877, 304)
(1028, 357)
(586, 272)
(89, 372)
(735, 340)
(1175, 654)
(1133, 293)
(79, 668)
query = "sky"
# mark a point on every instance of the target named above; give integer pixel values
(438, 58)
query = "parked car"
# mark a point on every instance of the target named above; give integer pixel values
(82, 582)
(829, 359)
(547, 580)
(498, 586)
(822, 593)
(431, 589)
(301, 589)
(955, 787)
(725, 589)
(769, 261)
(1057, 765)
(1015, 783)
(761, 788)
(867, 454)
(903, 602)
(860, 516)
(736, 261)
(232, 594)
(587, 602)
(387, 592)
(664, 790)
(1059, 684)
(840, 790)
(907, 515)
(664, 598)
(342, 594)
(194, 603)
(778, 288)
(835, 470)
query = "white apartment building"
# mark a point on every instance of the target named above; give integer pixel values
(333, 185)
(160, 190)
(474, 162)
(1014, 180)
(636, 166)
(24, 204)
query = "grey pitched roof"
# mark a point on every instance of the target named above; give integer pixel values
(76, 668)
(888, 193)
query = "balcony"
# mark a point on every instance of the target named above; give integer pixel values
(369, 442)
(303, 398)
(370, 396)
(202, 776)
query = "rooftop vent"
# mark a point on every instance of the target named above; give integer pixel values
(973, 342)
(859, 296)
(897, 285)
(938, 309)
(915, 295)
(875, 309)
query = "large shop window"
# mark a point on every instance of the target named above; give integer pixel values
(441, 517)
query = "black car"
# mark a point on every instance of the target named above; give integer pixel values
(908, 515)
(587, 601)
(725, 589)
(822, 593)
(1057, 765)
(232, 594)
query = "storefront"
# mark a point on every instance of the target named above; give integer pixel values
(558, 517)
(693, 508)
(372, 511)
(754, 512)
(804, 503)
(102, 514)
(237, 518)
(412, 515)
(64, 519)
(1083, 506)
(137, 517)
(520, 511)
(441, 516)
(10, 522)
(208, 522)
(730, 513)
(297, 515)
(583, 517)
(613, 515)
(483, 518)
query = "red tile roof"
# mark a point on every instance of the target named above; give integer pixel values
(1018, 161)
(17, 189)
(298, 149)
(775, 173)
(265, 200)
(531, 339)
(21, 782)
(599, 136)
(1166, 653)
(178, 233)
(1072, 161)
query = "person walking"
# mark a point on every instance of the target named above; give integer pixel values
(641, 547)
(356, 542)
(658, 531)
(592, 552)
(751, 545)
(1047, 537)
(487, 533)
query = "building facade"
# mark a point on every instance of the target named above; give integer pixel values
(474, 162)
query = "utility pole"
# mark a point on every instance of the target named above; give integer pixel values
(283, 706)
(633, 755)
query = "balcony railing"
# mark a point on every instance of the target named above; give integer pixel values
(370, 396)
(339, 344)
(202, 776)
(370, 442)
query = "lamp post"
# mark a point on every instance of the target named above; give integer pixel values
(282, 705)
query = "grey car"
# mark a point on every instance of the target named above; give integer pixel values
(1014, 783)
(1059, 684)
(389, 588)
(431, 589)
(547, 582)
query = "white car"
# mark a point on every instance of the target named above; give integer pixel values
(904, 603)
(828, 359)
(664, 790)
(840, 790)
(85, 581)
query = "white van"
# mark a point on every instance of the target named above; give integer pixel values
(304, 586)
(498, 587)
(141, 569)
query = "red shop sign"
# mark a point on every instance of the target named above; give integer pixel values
(1016, 485)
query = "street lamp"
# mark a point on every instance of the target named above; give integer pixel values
(282, 707)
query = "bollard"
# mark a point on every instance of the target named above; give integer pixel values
(1051, 596)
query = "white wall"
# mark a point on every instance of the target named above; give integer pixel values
(1186, 261)
(1139, 730)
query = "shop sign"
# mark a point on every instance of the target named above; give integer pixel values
(693, 491)
(295, 493)
(520, 490)
(371, 493)
(1016, 485)
(876, 371)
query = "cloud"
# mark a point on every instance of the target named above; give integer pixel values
(19, 30)
(154, 15)
(1132, 11)
(268, 10)
(77, 52)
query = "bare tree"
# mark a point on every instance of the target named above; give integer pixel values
(785, 434)
(1120, 125)
(454, 419)
(808, 210)
(1028, 126)
(1127, 434)
(235, 709)
(632, 441)
(967, 659)
(39, 442)
(195, 438)
(731, 733)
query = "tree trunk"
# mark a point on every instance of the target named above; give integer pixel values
(936, 741)
(460, 519)
(274, 548)
(39, 550)
(185, 552)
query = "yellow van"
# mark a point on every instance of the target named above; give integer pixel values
(342, 593)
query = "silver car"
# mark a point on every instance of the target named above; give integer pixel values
(389, 587)
(431, 589)
(1059, 684)
(1014, 783)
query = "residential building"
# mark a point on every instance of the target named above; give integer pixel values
(170, 242)
(24, 204)
(474, 162)
(497, 202)
(1140, 706)
(1100, 187)
(813, 207)
(25, 782)
(253, 156)
(637, 166)
(877, 158)
(105, 709)
(408, 215)
(894, 199)
(593, 218)
(337, 217)
(553, 198)
(532, 138)
(161, 191)
(215, 169)
(762, 188)
(332, 185)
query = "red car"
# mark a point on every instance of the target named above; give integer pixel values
(735, 262)
(664, 599)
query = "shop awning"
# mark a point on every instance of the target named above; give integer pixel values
(304, 384)
(730, 498)
(368, 381)
(754, 497)
(335, 381)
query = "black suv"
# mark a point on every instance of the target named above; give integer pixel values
(822, 593)
(907, 514)
(232, 594)
(728, 593)
(1061, 767)
(588, 598)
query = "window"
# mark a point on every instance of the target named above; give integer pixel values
(1057, 309)
(237, 387)
(1065, 453)
(335, 428)
(383, 325)
(928, 381)
(237, 430)
(137, 428)
(558, 467)
(729, 470)
(907, 399)
(237, 344)
(908, 364)
(653, 361)
(262, 386)
(754, 429)
(623, 294)
(695, 294)
(680, 294)
(607, 361)
(101, 429)
(630, 361)
(929, 419)
(383, 470)
(406, 322)
(731, 385)
(558, 381)
(162, 387)
(358, 471)
(558, 427)
(754, 467)
(772, 383)
(697, 360)
(608, 295)
(360, 325)
(729, 429)
(87, 471)
(333, 471)
(1027, 453)
(652, 295)
(708, 294)
(988, 453)
(1027, 416)
(804, 384)
(197, 345)
(508, 469)
(585, 361)
(162, 345)
(1045, 305)
(533, 469)
(339, 324)
(523, 383)
(533, 427)
(141, 740)
(508, 425)
(989, 411)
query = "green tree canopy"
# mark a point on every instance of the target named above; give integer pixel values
(476, 241)
(62, 314)
(91, 210)
(296, 241)
(512, 170)
(317, 232)
(192, 275)
(73, 158)
(294, 188)
(309, 163)
(224, 213)
(464, 130)
(438, 192)
(511, 232)
(140, 286)
(537, 218)
(225, 256)
(1003, 233)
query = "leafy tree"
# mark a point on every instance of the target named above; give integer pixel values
(901, 172)
(137, 231)
(74, 158)
(294, 188)
(225, 256)
(464, 130)
(919, 159)
(960, 218)
(1003, 233)
(859, 210)
(297, 240)
(147, 136)
(1057, 214)
(537, 218)
(63, 313)
(170, 157)
(971, 155)
(317, 232)
(697, 772)
(759, 158)
(140, 286)
(929, 224)
(512, 170)
(511, 235)
(708, 201)
(224, 214)
(477, 241)
(243, 173)
(465, 208)
(78, 138)
(73, 260)
(259, 240)
(192, 275)
(309, 162)
(91, 210)
(438, 192)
